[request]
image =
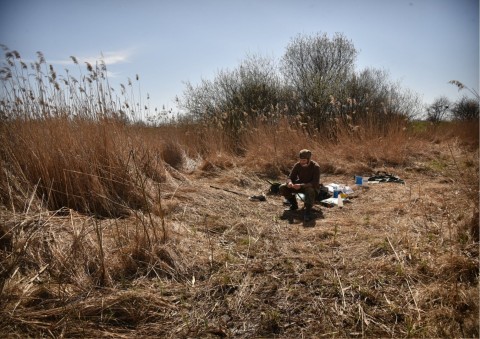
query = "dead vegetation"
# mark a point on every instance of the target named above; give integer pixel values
(113, 228)
(398, 261)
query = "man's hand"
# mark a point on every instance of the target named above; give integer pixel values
(294, 186)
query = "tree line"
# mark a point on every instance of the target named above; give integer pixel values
(315, 82)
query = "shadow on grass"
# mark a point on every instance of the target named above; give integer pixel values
(296, 217)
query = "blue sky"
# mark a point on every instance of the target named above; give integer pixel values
(421, 43)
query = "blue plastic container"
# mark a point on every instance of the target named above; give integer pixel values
(358, 180)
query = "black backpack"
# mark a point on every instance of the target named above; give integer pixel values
(323, 193)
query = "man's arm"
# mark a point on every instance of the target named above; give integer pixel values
(316, 176)
(292, 176)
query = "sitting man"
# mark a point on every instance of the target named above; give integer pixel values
(303, 178)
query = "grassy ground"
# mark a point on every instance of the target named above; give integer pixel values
(196, 261)
(112, 228)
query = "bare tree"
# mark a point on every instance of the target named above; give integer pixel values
(317, 68)
(235, 98)
(466, 109)
(438, 110)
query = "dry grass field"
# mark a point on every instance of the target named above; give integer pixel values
(122, 235)
(114, 228)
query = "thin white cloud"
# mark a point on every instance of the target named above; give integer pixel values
(110, 58)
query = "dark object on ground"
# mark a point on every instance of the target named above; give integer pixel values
(274, 187)
(323, 193)
(260, 197)
(381, 176)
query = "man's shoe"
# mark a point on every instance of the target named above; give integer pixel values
(307, 216)
(293, 207)
(293, 204)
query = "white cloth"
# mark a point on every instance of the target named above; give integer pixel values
(338, 187)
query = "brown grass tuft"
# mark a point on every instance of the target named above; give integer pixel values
(172, 154)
